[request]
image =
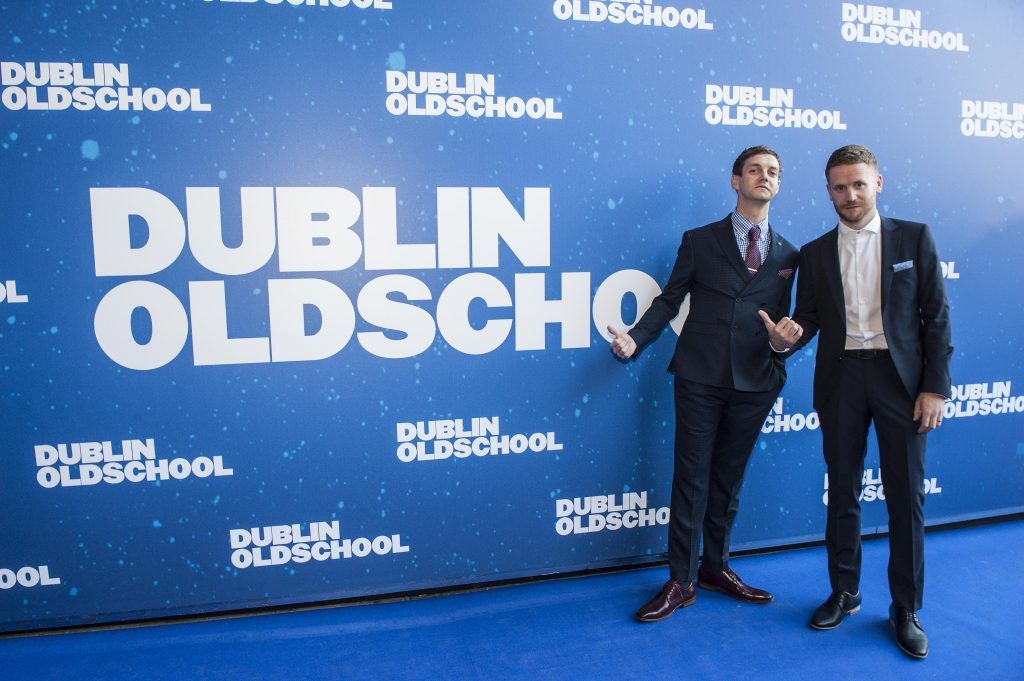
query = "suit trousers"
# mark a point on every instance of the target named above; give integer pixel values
(870, 390)
(716, 429)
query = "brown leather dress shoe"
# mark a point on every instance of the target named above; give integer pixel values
(729, 583)
(672, 596)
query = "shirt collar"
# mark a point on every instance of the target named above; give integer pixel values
(742, 225)
(875, 226)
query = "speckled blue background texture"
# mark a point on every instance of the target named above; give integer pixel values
(297, 99)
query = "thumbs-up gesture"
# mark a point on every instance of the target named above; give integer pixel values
(623, 344)
(783, 335)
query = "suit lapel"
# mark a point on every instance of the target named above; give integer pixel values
(890, 247)
(727, 242)
(835, 279)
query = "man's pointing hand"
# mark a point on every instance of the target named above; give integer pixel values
(623, 344)
(783, 335)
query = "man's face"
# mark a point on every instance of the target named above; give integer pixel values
(759, 180)
(853, 190)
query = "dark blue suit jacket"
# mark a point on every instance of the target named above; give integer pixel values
(915, 314)
(723, 342)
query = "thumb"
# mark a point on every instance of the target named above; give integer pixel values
(615, 332)
(767, 320)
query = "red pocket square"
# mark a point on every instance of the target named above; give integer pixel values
(785, 274)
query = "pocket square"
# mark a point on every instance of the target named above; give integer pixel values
(900, 266)
(786, 274)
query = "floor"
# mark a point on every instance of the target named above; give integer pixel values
(581, 628)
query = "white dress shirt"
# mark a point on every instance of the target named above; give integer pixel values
(860, 264)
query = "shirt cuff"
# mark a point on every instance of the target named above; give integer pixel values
(781, 352)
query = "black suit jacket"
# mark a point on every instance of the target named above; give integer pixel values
(915, 314)
(723, 342)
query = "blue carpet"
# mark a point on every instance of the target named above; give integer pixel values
(581, 629)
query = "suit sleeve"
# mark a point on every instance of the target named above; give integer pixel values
(806, 313)
(666, 306)
(936, 332)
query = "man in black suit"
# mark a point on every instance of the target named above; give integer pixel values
(726, 376)
(873, 288)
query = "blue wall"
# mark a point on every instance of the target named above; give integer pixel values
(393, 269)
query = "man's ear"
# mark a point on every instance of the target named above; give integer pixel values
(735, 183)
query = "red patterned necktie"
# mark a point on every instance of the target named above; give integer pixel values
(753, 257)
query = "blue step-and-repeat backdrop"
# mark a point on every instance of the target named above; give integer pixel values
(306, 299)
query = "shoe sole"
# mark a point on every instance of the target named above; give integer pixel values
(685, 604)
(712, 587)
(851, 611)
(899, 645)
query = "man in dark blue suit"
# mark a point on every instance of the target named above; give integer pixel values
(726, 376)
(873, 289)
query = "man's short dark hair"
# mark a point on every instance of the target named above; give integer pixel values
(737, 166)
(850, 155)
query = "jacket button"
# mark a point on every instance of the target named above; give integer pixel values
(739, 300)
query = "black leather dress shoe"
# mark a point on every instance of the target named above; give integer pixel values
(729, 583)
(672, 596)
(910, 637)
(830, 613)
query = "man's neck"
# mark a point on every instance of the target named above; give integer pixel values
(755, 212)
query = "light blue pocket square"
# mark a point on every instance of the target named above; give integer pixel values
(900, 266)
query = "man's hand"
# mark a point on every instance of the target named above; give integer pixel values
(783, 335)
(623, 344)
(928, 410)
